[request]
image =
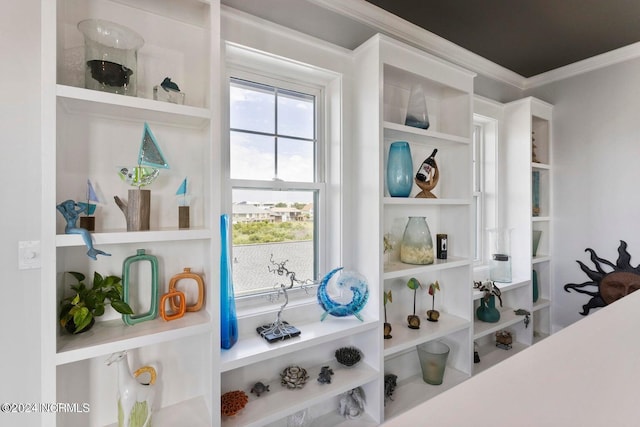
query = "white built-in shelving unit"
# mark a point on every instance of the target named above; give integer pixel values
(528, 122)
(88, 135)
(385, 73)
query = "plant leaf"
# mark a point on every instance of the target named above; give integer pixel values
(79, 276)
(97, 280)
(99, 310)
(121, 307)
(82, 318)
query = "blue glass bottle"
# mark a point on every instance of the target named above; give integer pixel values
(228, 318)
(399, 169)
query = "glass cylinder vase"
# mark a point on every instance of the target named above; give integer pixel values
(417, 115)
(111, 56)
(399, 169)
(500, 255)
(417, 244)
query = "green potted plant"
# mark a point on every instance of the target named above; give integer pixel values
(78, 312)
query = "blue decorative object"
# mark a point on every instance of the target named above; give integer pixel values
(348, 280)
(534, 282)
(71, 210)
(152, 313)
(399, 169)
(228, 319)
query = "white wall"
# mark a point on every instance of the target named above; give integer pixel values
(596, 164)
(20, 219)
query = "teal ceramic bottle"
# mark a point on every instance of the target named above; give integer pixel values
(487, 312)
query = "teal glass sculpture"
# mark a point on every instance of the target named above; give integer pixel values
(487, 311)
(152, 313)
(150, 160)
(351, 304)
(228, 319)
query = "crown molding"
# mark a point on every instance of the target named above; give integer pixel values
(398, 28)
(590, 64)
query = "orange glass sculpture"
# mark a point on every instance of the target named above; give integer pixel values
(187, 274)
(178, 310)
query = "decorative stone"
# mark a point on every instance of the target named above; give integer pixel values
(348, 356)
(325, 375)
(294, 377)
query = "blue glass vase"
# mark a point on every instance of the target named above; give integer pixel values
(228, 318)
(399, 169)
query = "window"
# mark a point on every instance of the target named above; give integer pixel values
(276, 181)
(485, 178)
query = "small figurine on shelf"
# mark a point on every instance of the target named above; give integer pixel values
(433, 314)
(135, 398)
(387, 297)
(71, 210)
(324, 377)
(428, 176)
(88, 221)
(233, 402)
(259, 388)
(390, 384)
(412, 319)
(352, 403)
(150, 159)
(504, 339)
(168, 91)
(389, 242)
(183, 205)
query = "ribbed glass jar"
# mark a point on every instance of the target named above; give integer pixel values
(417, 244)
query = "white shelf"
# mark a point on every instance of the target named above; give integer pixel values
(535, 165)
(412, 201)
(192, 413)
(491, 355)
(504, 287)
(539, 336)
(280, 402)
(121, 237)
(254, 349)
(507, 318)
(398, 131)
(396, 269)
(86, 101)
(540, 304)
(540, 258)
(413, 391)
(114, 335)
(540, 218)
(334, 419)
(405, 338)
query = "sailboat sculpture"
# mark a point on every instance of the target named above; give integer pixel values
(90, 208)
(182, 191)
(150, 160)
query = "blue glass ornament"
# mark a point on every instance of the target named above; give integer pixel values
(228, 318)
(399, 169)
(348, 281)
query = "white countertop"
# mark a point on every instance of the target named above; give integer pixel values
(586, 375)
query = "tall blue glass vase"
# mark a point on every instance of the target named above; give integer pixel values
(228, 318)
(399, 169)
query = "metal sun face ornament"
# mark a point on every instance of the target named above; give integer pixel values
(350, 296)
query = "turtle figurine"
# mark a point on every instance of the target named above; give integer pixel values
(325, 375)
(259, 388)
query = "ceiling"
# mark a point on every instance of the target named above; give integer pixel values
(527, 37)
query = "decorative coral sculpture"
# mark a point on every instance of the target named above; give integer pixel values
(348, 356)
(233, 402)
(294, 377)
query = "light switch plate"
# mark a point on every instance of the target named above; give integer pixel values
(29, 254)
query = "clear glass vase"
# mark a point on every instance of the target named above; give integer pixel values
(399, 169)
(417, 244)
(500, 255)
(111, 56)
(417, 115)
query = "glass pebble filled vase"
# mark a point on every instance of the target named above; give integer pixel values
(111, 56)
(399, 169)
(417, 244)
